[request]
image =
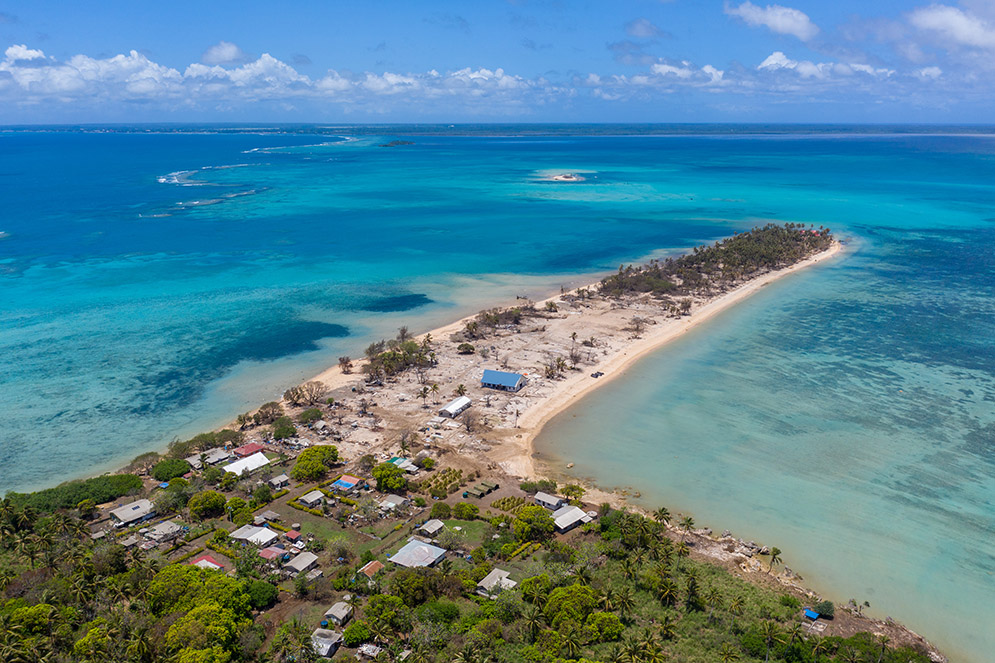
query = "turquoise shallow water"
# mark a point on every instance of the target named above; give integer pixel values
(845, 414)
(156, 284)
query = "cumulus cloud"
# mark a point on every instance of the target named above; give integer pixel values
(782, 20)
(20, 52)
(930, 73)
(954, 26)
(643, 28)
(224, 52)
(778, 61)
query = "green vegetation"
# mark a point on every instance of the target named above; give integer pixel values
(205, 442)
(543, 485)
(283, 428)
(309, 416)
(314, 462)
(389, 358)
(68, 495)
(715, 268)
(207, 504)
(390, 478)
(170, 468)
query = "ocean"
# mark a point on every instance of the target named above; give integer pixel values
(157, 281)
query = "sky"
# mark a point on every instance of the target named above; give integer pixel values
(375, 61)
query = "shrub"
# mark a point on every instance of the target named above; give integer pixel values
(313, 463)
(283, 428)
(441, 510)
(355, 634)
(825, 609)
(268, 413)
(309, 416)
(438, 611)
(533, 523)
(789, 601)
(465, 511)
(390, 477)
(207, 504)
(465, 349)
(170, 468)
(261, 594)
(67, 495)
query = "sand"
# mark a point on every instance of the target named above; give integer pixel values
(510, 422)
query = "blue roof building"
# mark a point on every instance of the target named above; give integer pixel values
(502, 380)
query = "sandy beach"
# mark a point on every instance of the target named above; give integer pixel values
(597, 330)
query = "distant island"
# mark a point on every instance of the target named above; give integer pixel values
(391, 509)
(396, 143)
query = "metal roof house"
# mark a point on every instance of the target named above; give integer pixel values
(551, 502)
(455, 407)
(166, 531)
(416, 553)
(569, 517)
(247, 465)
(206, 562)
(136, 512)
(392, 502)
(502, 380)
(339, 613)
(325, 642)
(495, 581)
(247, 450)
(312, 499)
(279, 481)
(301, 563)
(432, 527)
(260, 536)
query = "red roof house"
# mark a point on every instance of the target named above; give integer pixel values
(248, 449)
(293, 535)
(206, 562)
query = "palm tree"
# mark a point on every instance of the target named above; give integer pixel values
(380, 631)
(687, 524)
(736, 605)
(666, 592)
(775, 558)
(460, 390)
(883, 641)
(849, 655)
(662, 515)
(607, 599)
(139, 647)
(615, 655)
(572, 643)
(793, 633)
(626, 602)
(435, 392)
(771, 634)
(583, 575)
(713, 599)
(423, 395)
(682, 549)
(727, 653)
(819, 647)
(534, 620)
(633, 652)
(668, 627)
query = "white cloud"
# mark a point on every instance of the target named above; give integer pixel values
(931, 73)
(782, 20)
(22, 52)
(643, 28)
(224, 52)
(954, 25)
(662, 69)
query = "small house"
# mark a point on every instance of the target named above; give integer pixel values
(405, 464)
(301, 564)
(131, 541)
(392, 503)
(455, 407)
(278, 482)
(134, 513)
(313, 499)
(164, 532)
(369, 650)
(371, 569)
(259, 536)
(568, 517)
(502, 380)
(206, 562)
(247, 465)
(292, 535)
(339, 613)
(272, 553)
(551, 502)
(266, 517)
(347, 483)
(432, 527)
(415, 553)
(325, 642)
(495, 581)
(247, 450)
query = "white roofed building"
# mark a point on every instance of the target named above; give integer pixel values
(568, 517)
(455, 407)
(417, 553)
(302, 563)
(495, 581)
(260, 536)
(247, 465)
(136, 512)
(551, 502)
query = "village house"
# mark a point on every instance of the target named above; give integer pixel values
(259, 536)
(279, 482)
(206, 562)
(303, 563)
(247, 465)
(551, 502)
(313, 499)
(432, 527)
(131, 514)
(415, 553)
(495, 581)
(455, 407)
(339, 613)
(391, 503)
(325, 642)
(164, 532)
(371, 569)
(247, 450)
(502, 380)
(568, 517)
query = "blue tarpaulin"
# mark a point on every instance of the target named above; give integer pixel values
(811, 614)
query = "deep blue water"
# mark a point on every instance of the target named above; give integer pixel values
(156, 284)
